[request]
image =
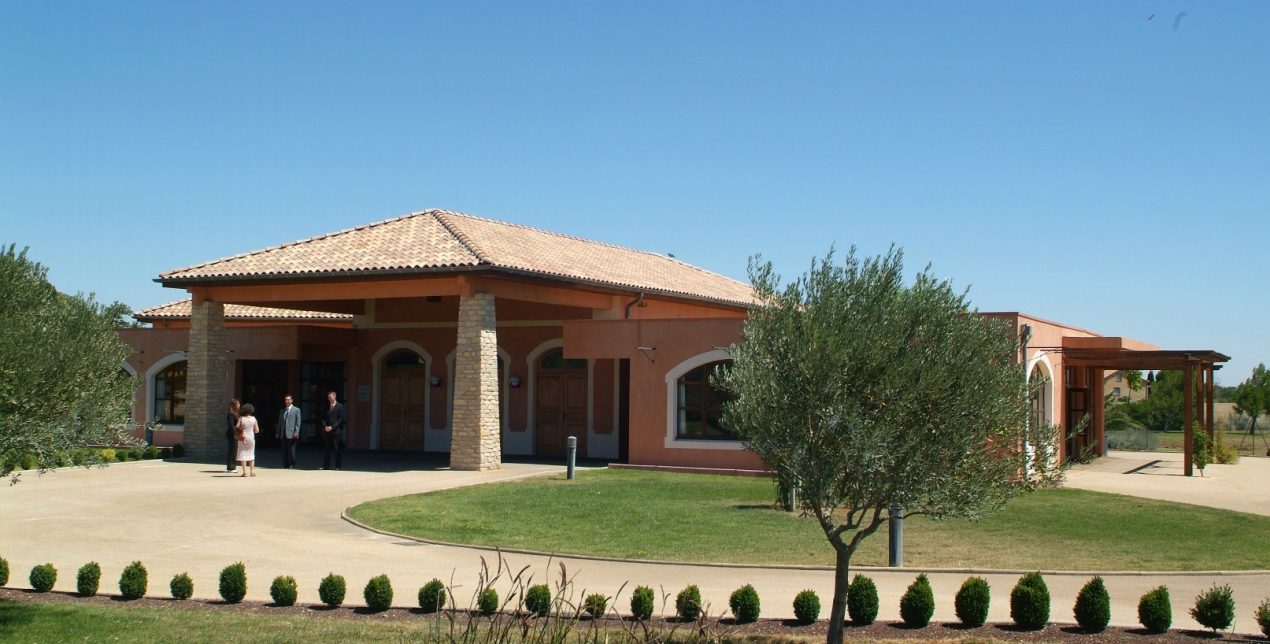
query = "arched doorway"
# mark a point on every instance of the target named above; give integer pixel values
(403, 401)
(560, 405)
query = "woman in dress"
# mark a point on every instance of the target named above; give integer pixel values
(247, 446)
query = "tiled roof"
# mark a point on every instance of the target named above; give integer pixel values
(435, 240)
(181, 310)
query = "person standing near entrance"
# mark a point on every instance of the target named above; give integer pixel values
(333, 433)
(288, 431)
(248, 427)
(231, 424)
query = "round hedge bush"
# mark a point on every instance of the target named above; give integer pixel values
(134, 581)
(283, 590)
(43, 577)
(917, 605)
(642, 601)
(378, 594)
(1263, 617)
(233, 583)
(1215, 608)
(1030, 602)
(972, 601)
(432, 596)
(182, 586)
(862, 601)
(1093, 606)
(4, 571)
(487, 603)
(88, 579)
(807, 607)
(1155, 611)
(744, 604)
(596, 605)
(331, 590)
(538, 600)
(688, 603)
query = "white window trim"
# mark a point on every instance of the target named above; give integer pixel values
(377, 362)
(672, 405)
(158, 366)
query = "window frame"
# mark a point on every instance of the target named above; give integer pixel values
(672, 439)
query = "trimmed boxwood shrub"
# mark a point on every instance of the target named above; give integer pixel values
(182, 586)
(136, 454)
(862, 601)
(150, 452)
(1263, 617)
(487, 603)
(283, 590)
(88, 579)
(642, 601)
(688, 603)
(134, 581)
(744, 604)
(918, 603)
(972, 601)
(596, 605)
(233, 583)
(538, 600)
(107, 455)
(43, 577)
(331, 590)
(432, 596)
(1093, 606)
(4, 571)
(378, 594)
(1155, 611)
(1030, 602)
(1215, 608)
(807, 607)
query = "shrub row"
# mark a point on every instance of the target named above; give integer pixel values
(95, 455)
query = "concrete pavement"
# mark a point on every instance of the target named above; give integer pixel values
(1243, 487)
(194, 517)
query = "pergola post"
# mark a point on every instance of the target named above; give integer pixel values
(1208, 394)
(1188, 419)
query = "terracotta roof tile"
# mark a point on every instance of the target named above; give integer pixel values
(181, 310)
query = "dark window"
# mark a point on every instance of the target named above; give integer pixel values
(169, 394)
(556, 360)
(700, 406)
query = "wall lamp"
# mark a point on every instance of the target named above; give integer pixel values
(435, 381)
(514, 381)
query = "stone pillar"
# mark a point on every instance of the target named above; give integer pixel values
(475, 443)
(206, 384)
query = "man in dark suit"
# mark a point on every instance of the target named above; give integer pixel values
(288, 431)
(333, 433)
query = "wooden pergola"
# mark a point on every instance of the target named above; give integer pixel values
(1098, 355)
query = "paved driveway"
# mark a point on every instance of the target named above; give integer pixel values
(178, 517)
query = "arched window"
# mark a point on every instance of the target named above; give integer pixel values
(169, 394)
(700, 406)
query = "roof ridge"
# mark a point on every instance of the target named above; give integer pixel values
(459, 235)
(163, 306)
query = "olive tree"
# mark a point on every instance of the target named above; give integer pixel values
(61, 381)
(864, 393)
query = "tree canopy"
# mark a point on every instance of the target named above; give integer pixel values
(1252, 396)
(61, 380)
(863, 393)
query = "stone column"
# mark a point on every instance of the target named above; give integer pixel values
(475, 443)
(206, 385)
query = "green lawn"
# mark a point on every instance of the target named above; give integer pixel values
(698, 517)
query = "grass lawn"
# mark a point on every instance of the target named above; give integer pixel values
(699, 517)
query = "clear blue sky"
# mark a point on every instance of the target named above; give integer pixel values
(1075, 161)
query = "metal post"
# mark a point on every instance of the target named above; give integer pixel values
(573, 454)
(897, 536)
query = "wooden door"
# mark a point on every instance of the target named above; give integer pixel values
(404, 386)
(560, 408)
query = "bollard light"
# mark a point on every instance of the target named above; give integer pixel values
(573, 455)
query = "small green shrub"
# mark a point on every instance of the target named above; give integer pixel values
(538, 600)
(136, 454)
(1263, 617)
(432, 596)
(918, 603)
(378, 594)
(642, 601)
(596, 605)
(122, 455)
(43, 577)
(1155, 612)
(807, 607)
(283, 590)
(134, 581)
(744, 604)
(1093, 606)
(233, 583)
(181, 586)
(487, 603)
(331, 590)
(29, 461)
(1030, 602)
(1224, 452)
(178, 450)
(862, 601)
(688, 603)
(1201, 445)
(150, 452)
(4, 571)
(88, 579)
(107, 455)
(1215, 608)
(972, 601)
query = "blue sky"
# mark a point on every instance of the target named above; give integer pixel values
(1079, 162)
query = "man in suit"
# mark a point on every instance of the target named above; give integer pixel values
(288, 431)
(333, 433)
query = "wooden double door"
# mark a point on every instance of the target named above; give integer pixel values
(560, 405)
(403, 402)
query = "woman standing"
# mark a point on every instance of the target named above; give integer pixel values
(231, 426)
(247, 445)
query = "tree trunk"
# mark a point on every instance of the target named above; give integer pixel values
(841, 579)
